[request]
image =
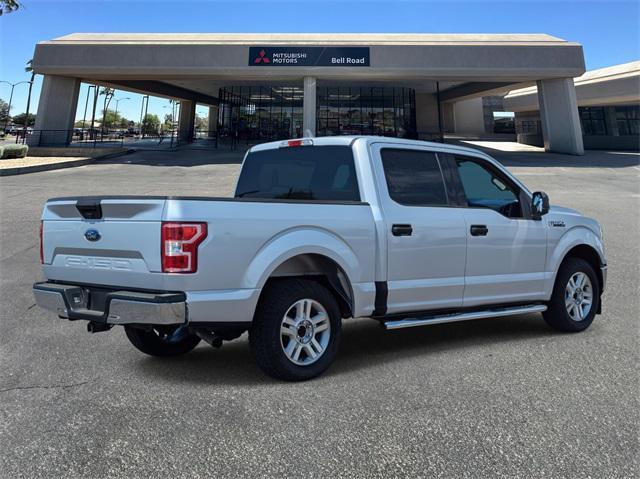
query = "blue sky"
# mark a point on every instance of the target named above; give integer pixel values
(608, 30)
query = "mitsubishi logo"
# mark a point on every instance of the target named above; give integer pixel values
(262, 57)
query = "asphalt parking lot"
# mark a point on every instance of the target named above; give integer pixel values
(489, 398)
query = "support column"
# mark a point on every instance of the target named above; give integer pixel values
(186, 121)
(56, 111)
(559, 116)
(449, 116)
(309, 107)
(213, 121)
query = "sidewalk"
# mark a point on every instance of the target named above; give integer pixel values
(32, 164)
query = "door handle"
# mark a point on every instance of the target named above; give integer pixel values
(401, 230)
(479, 230)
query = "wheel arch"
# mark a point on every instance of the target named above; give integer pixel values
(590, 255)
(312, 253)
(322, 269)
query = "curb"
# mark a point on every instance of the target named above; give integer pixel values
(21, 170)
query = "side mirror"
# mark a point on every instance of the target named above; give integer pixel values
(539, 205)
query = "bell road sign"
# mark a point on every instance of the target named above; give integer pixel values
(309, 56)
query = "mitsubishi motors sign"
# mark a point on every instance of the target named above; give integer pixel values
(309, 56)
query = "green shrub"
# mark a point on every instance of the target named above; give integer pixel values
(14, 151)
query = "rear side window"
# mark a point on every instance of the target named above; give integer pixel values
(413, 177)
(323, 173)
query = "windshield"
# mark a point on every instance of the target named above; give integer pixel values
(324, 173)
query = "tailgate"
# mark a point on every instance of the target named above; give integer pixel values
(109, 241)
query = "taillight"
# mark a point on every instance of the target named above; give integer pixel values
(41, 242)
(298, 142)
(179, 245)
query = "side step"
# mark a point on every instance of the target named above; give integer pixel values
(465, 316)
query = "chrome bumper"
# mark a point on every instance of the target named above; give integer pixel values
(118, 307)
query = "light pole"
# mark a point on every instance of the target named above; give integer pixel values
(118, 100)
(13, 85)
(92, 134)
(145, 99)
(86, 104)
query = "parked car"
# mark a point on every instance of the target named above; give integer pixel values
(408, 233)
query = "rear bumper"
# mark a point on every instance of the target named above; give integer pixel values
(117, 307)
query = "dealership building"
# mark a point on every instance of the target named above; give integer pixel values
(271, 86)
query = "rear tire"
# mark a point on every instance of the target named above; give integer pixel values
(162, 340)
(295, 333)
(575, 298)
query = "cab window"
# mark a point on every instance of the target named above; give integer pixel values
(414, 177)
(322, 173)
(485, 187)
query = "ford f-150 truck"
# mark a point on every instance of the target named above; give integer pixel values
(405, 232)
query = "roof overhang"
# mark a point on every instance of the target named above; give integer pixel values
(618, 84)
(505, 59)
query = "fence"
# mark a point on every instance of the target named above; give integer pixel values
(77, 138)
(220, 139)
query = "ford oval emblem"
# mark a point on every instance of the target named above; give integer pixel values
(92, 235)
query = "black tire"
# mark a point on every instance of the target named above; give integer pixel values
(556, 314)
(162, 340)
(265, 334)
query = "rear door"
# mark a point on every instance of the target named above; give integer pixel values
(426, 238)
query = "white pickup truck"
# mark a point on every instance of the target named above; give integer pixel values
(405, 232)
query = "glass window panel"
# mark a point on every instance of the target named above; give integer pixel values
(621, 112)
(309, 173)
(413, 177)
(623, 128)
(485, 188)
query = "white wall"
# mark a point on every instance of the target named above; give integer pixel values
(426, 113)
(468, 116)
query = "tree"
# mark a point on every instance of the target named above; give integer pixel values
(124, 123)
(150, 124)
(111, 119)
(8, 6)
(108, 95)
(20, 119)
(202, 123)
(168, 122)
(4, 111)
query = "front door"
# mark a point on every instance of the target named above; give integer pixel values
(426, 238)
(506, 249)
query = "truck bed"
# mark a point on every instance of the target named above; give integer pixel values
(247, 239)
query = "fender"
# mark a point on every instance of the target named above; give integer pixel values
(578, 235)
(297, 241)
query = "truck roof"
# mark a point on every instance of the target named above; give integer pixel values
(348, 140)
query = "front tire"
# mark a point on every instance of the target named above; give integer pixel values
(162, 341)
(576, 297)
(296, 330)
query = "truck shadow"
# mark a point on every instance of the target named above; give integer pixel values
(365, 345)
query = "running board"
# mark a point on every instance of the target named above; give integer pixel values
(453, 317)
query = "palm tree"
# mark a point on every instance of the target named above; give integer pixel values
(29, 69)
(108, 95)
(8, 6)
